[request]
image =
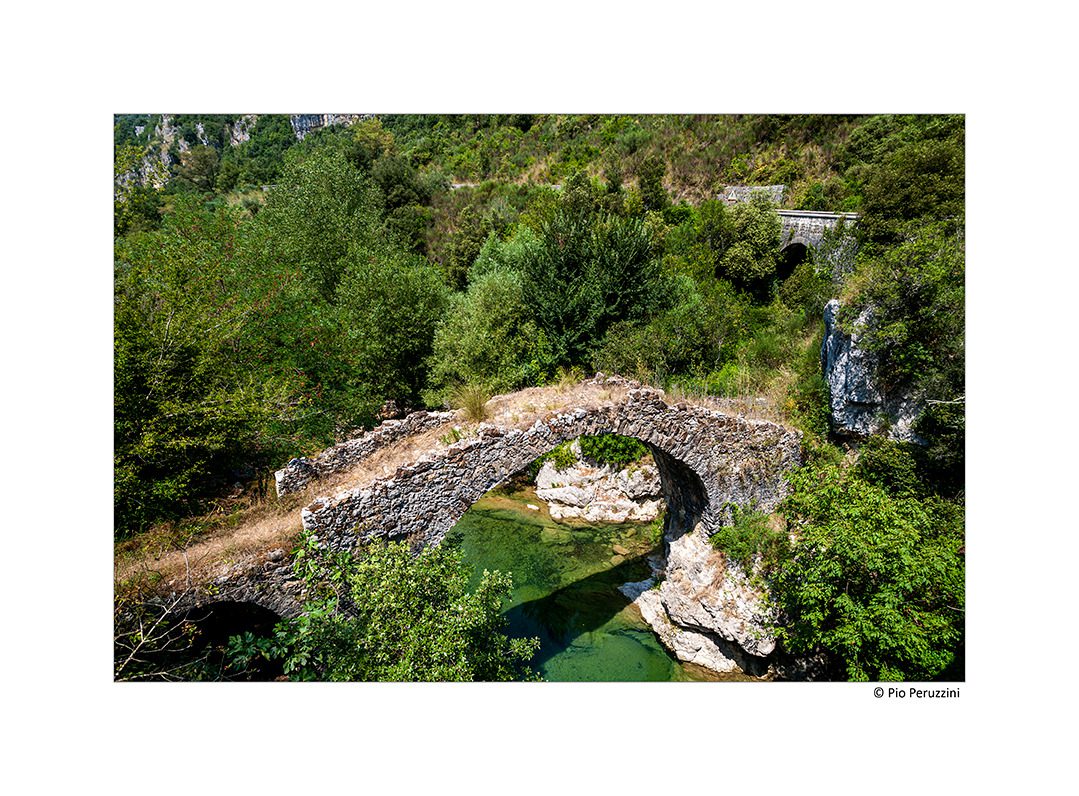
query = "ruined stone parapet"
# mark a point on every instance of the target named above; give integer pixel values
(298, 473)
(736, 194)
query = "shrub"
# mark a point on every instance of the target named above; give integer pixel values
(613, 449)
(752, 259)
(488, 338)
(409, 618)
(874, 579)
(561, 456)
(749, 536)
(890, 465)
(472, 400)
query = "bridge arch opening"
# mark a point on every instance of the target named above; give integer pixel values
(793, 255)
(568, 571)
(213, 624)
(185, 641)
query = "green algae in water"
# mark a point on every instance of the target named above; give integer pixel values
(565, 590)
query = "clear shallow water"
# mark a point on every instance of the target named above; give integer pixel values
(565, 589)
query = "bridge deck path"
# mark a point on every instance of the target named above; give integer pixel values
(264, 531)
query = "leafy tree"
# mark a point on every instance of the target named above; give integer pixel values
(388, 615)
(370, 141)
(399, 182)
(463, 244)
(198, 168)
(589, 271)
(192, 402)
(875, 580)
(650, 183)
(697, 334)
(752, 258)
(320, 209)
(914, 173)
(389, 306)
(262, 156)
(489, 338)
(916, 290)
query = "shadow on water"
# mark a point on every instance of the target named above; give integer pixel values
(565, 588)
(573, 612)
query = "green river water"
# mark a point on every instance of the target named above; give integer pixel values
(565, 589)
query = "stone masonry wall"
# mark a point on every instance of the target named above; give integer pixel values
(808, 227)
(295, 475)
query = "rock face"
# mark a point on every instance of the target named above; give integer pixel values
(600, 494)
(706, 611)
(858, 407)
(240, 130)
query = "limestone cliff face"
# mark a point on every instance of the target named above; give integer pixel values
(593, 493)
(858, 406)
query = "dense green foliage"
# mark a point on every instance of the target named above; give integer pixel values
(386, 614)
(613, 449)
(750, 537)
(198, 398)
(876, 576)
(241, 341)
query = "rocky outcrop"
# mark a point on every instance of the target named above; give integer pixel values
(304, 123)
(240, 130)
(858, 406)
(706, 610)
(584, 491)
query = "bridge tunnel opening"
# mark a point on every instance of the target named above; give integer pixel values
(214, 625)
(790, 258)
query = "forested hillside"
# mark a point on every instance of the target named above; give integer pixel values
(274, 294)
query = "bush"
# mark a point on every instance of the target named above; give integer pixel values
(917, 293)
(890, 465)
(488, 337)
(561, 456)
(752, 259)
(750, 537)
(612, 449)
(875, 580)
(588, 271)
(385, 614)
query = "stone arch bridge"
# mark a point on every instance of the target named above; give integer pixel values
(433, 466)
(707, 460)
(808, 227)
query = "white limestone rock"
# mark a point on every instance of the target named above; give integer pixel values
(857, 404)
(600, 494)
